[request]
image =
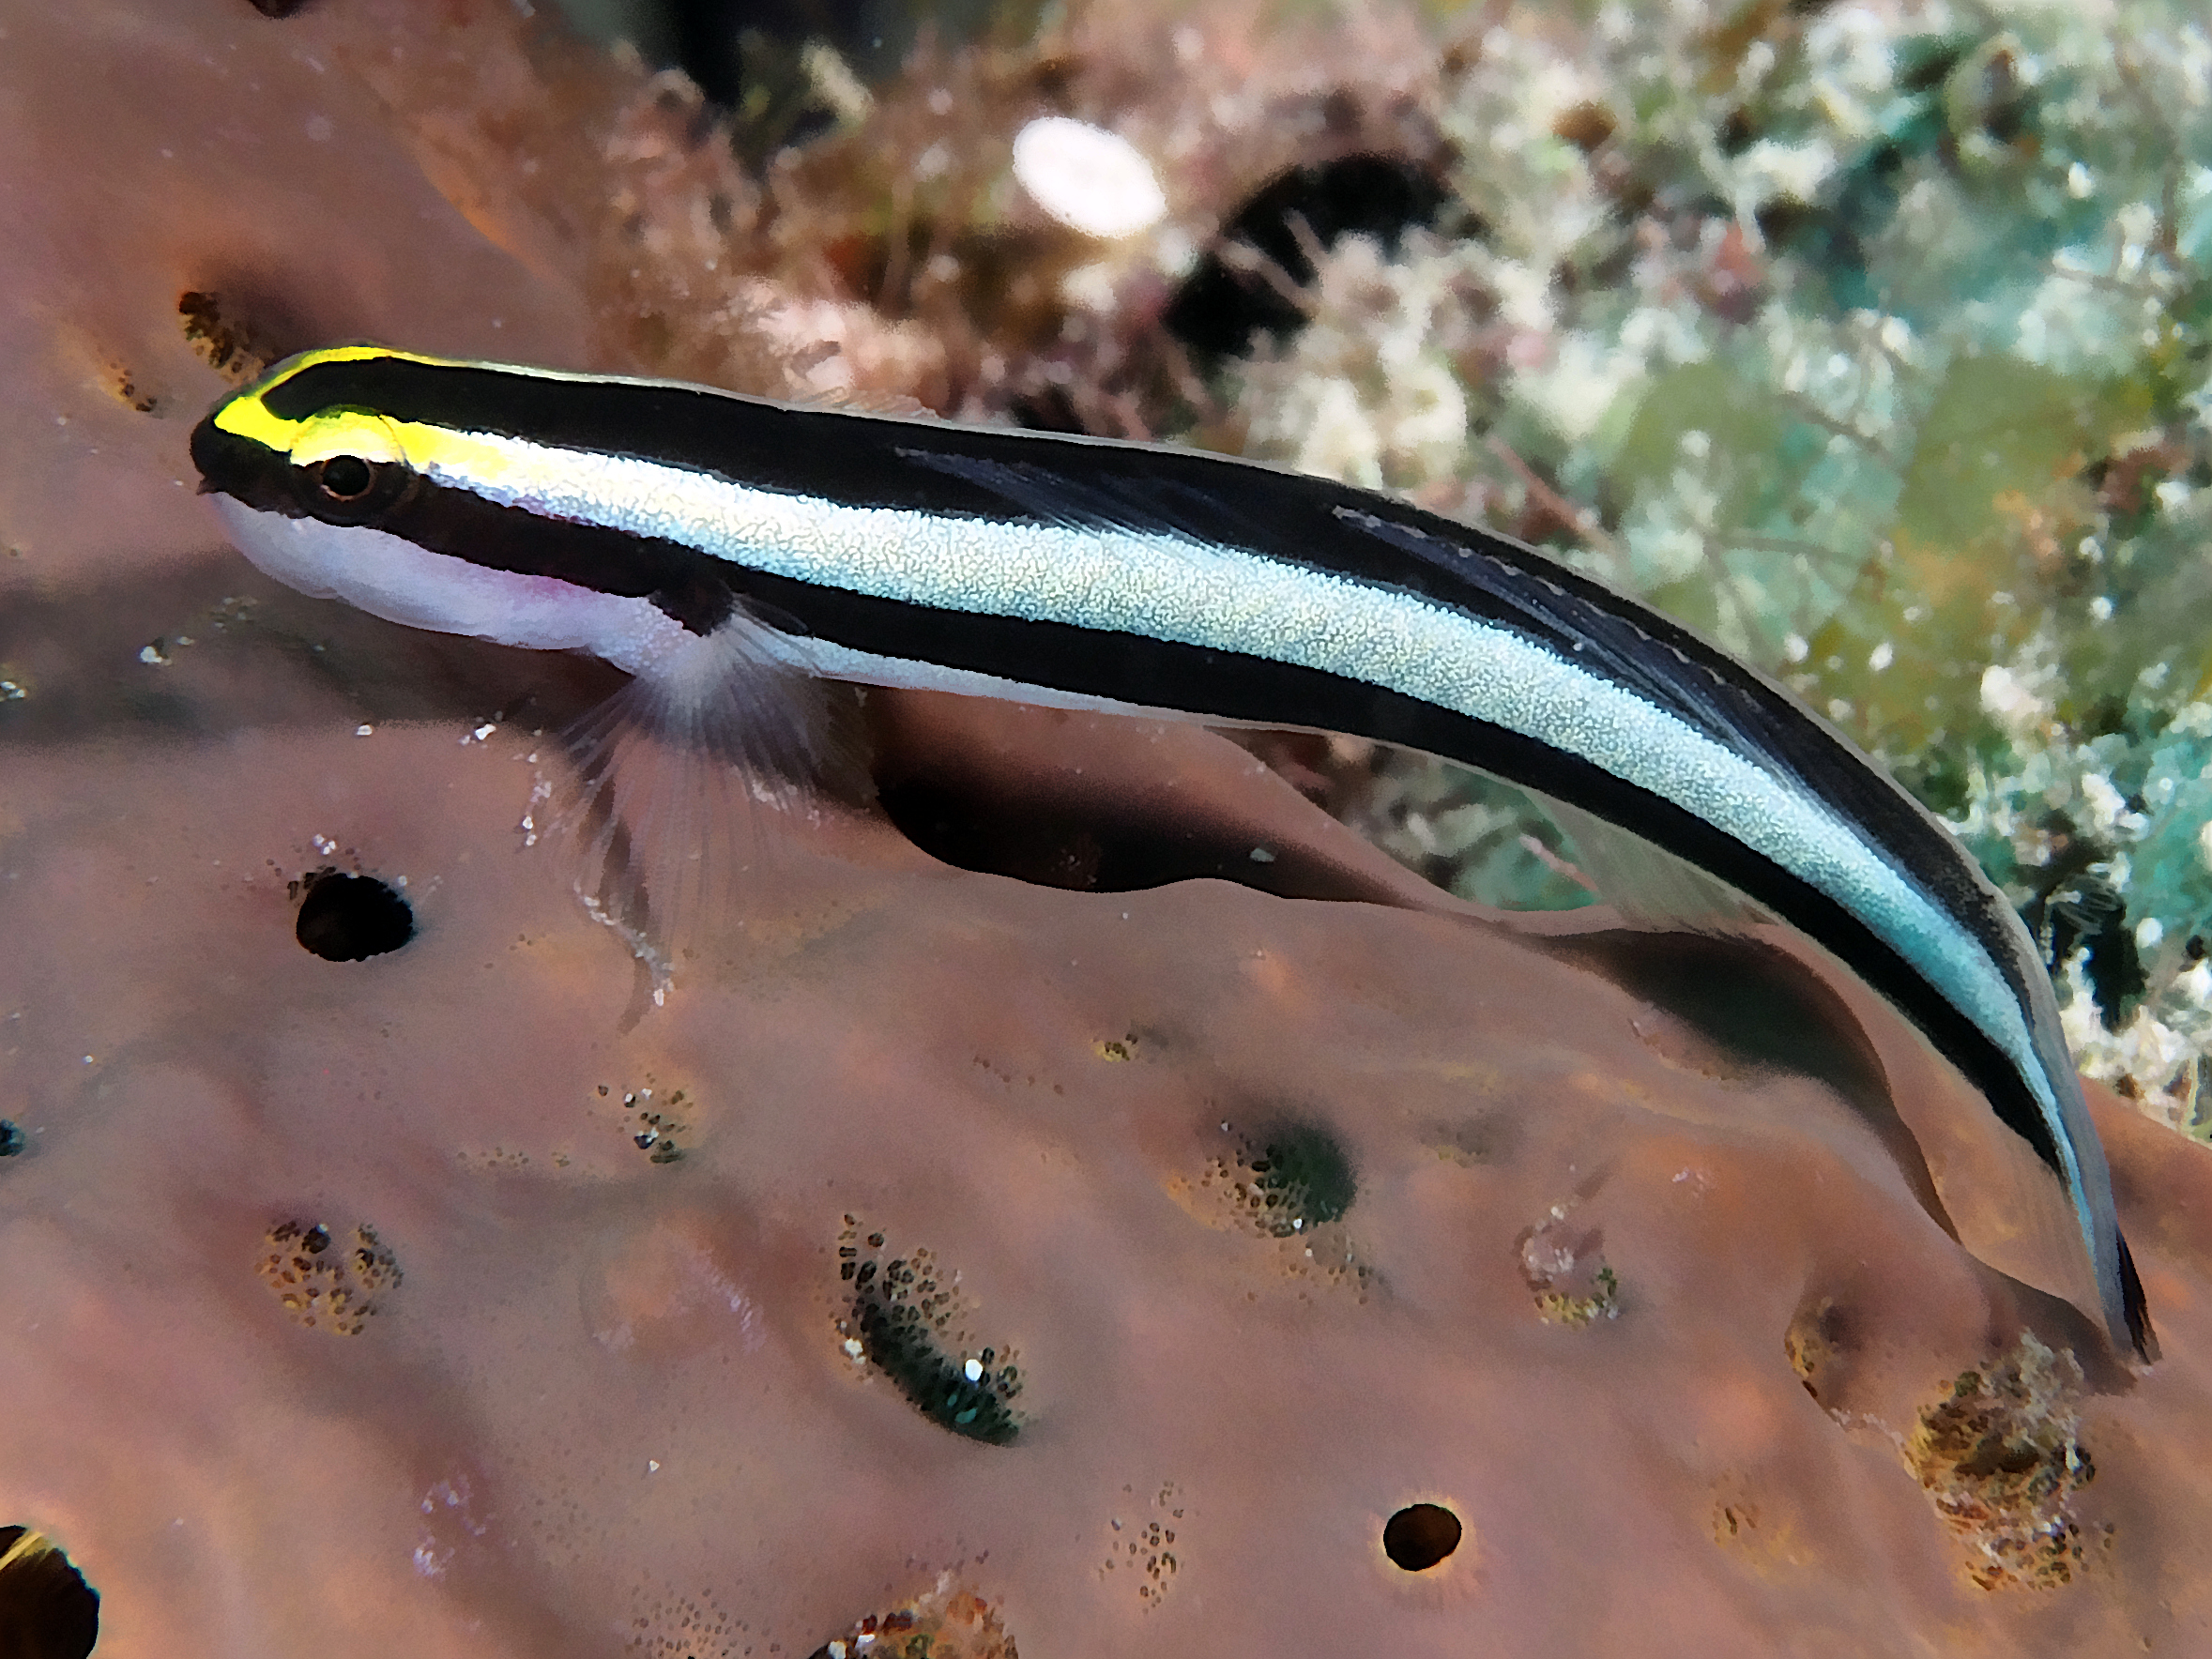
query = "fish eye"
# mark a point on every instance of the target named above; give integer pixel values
(346, 478)
(349, 488)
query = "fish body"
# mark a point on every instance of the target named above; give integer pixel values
(691, 536)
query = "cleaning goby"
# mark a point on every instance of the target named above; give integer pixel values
(726, 551)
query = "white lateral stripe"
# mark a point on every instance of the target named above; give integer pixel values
(1174, 588)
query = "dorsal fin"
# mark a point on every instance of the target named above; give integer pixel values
(855, 400)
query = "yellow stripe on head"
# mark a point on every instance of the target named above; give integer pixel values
(246, 413)
(475, 460)
(470, 458)
(347, 432)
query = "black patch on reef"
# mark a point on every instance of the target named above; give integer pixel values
(899, 1316)
(2090, 915)
(747, 56)
(1220, 306)
(896, 1341)
(352, 918)
(47, 1610)
(705, 40)
(1303, 1176)
(11, 1138)
(1421, 1536)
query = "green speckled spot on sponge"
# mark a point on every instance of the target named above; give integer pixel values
(906, 1321)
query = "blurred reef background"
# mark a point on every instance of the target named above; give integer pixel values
(1873, 341)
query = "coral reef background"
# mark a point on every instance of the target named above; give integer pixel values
(973, 1252)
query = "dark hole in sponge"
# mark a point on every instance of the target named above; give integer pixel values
(896, 1340)
(1303, 1176)
(352, 918)
(47, 1610)
(1221, 305)
(1420, 1536)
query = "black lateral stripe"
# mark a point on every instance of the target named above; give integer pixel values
(1197, 679)
(1005, 475)
(692, 587)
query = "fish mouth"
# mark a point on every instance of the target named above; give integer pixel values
(239, 467)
